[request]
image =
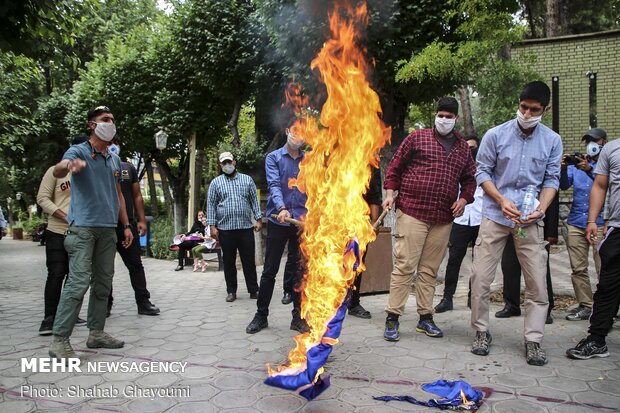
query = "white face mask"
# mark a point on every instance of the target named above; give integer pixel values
(292, 141)
(228, 168)
(444, 125)
(115, 149)
(529, 122)
(105, 131)
(593, 149)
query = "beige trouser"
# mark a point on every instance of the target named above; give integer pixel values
(533, 259)
(578, 247)
(419, 248)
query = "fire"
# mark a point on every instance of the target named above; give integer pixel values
(463, 398)
(335, 174)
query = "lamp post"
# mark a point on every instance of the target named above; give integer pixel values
(161, 140)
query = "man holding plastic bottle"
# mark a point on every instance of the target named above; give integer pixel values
(512, 157)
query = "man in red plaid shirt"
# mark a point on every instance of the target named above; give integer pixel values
(433, 171)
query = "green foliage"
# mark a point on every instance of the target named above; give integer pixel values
(162, 232)
(421, 115)
(31, 224)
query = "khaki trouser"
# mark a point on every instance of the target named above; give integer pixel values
(533, 259)
(578, 247)
(418, 247)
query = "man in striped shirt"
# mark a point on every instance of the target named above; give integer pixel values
(232, 202)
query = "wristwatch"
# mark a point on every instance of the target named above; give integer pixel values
(126, 226)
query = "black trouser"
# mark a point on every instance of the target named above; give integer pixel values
(230, 242)
(183, 248)
(355, 293)
(511, 270)
(460, 237)
(607, 295)
(290, 269)
(277, 238)
(132, 259)
(57, 262)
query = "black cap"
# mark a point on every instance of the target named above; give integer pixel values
(448, 104)
(79, 139)
(538, 91)
(594, 134)
(93, 113)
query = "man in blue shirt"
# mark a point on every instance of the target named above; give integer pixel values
(513, 156)
(96, 205)
(281, 165)
(580, 176)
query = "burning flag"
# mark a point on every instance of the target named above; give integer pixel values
(335, 174)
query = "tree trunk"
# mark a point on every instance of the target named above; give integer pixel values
(178, 184)
(234, 120)
(553, 18)
(152, 188)
(200, 166)
(468, 121)
(167, 196)
(394, 114)
(530, 18)
(48, 79)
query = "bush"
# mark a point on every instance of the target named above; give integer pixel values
(30, 225)
(162, 232)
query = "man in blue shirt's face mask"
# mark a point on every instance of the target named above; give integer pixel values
(577, 172)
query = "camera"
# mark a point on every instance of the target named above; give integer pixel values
(574, 159)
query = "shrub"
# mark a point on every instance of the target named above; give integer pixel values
(162, 232)
(30, 225)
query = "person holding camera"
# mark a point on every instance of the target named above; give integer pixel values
(577, 171)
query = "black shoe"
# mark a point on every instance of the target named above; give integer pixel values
(179, 268)
(254, 296)
(444, 305)
(586, 349)
(549, 319)
(145, 307)
(299, 324)
(360, 312)
(257, 324)
(231, 297)
(287, 298)
(46, 326)
(80, 322)
(508, 311)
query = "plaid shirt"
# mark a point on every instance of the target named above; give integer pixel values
(232, 202)
(427, 178)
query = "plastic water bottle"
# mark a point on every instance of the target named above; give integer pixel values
(528, 202)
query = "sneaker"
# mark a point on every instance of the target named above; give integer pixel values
(444, 305)
(360, 312)
(582, 313)
(101, 339)
(80, 321)
(391, 330)
(586, 349)
(299, 324)
(61, 348)
(534, 355)
(46, 326)
(429, 328)
(145, 307)
(481, 344)
(256, 325)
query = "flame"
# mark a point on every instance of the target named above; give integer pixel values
(463, 398)
(345, 141)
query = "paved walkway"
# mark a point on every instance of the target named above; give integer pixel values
(225, 369)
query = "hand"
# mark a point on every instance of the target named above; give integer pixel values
(592, 233)
(75, 165)
(258, 225)
(552, 240)
(531, 218)
(583, 165)
(214, 232)
(564, 164)
(128, 238)
(388, 203)
(141, 228)
(458, 207)
(509, 210)
(283, 215)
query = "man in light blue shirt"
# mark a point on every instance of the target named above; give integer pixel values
(579, 174)
(512, 156)
(96, 206)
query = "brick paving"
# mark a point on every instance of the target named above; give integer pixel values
(226, 366)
